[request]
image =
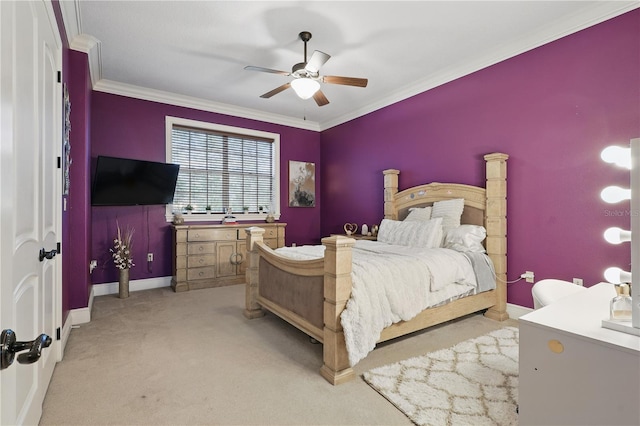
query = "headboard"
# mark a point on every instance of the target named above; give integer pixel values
(482, 206)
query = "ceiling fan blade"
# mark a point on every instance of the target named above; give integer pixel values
(347, 81)
(252, 68)
(320, 98)
(276, 91)
(317, 60)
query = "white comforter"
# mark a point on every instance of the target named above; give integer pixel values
(393, 283)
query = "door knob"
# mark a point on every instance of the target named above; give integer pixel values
(47, 254)
(9, 346)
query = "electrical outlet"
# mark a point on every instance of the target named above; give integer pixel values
(528, 276)
(149, 257)
(578, 281)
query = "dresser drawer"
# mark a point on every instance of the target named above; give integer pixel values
(212, 234)
(271, 243)
(198, 261)
(201, 248)
(268, 233)
(201, 273)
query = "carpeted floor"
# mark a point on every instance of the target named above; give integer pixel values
(473, 383)
(191, 358)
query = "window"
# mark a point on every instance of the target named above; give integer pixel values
(223, 167)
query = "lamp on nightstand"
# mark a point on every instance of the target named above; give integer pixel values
(628, 158)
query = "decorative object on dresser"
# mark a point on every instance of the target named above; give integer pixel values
(350, 228)
(274, 281)
(474, 382)
(214, 255)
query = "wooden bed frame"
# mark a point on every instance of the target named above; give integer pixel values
(311, 294)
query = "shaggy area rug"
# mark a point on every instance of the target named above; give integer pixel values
(472, 383)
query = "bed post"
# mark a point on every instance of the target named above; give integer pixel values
(252, 308)
(390, 190)
(337, 290)
(496, 224)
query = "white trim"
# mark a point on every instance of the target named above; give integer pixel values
(82, 315)
(64, 335)
(134, 285)
(516, 311)
(137, 92)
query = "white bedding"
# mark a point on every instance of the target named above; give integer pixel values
(393, 283)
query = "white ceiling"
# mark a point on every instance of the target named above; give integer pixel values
(192, 53)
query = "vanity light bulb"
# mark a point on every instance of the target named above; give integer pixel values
(615, 194)
(617, 155)
(616, 235)
(616, 275)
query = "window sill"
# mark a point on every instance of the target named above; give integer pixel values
(217, 218)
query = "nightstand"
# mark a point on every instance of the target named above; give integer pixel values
(357, 236)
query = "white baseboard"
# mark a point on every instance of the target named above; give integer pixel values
(134, 285)
(83, 315)
(516, 311)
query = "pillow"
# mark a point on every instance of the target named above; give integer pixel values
(419, 213)
(466, 238)
(424, 234)
(450, 211)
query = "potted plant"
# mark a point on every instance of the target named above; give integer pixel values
(208, 209)
(260, 209)
(189, 208)
(245, 209)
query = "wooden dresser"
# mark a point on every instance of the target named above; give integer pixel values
(215, 255)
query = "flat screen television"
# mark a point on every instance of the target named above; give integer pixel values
(127, 182)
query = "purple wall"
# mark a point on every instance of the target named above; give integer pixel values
(133, 128)
(552, 109)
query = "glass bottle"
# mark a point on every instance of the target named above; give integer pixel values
(621, 304)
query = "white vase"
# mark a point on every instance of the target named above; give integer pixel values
(365, 229)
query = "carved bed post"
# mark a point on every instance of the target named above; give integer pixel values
(337, 290)
(496, 224)
(252, 308)
(390, 190)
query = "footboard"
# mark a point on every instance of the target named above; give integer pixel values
(309, 294)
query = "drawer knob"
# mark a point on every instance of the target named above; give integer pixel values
(555, 346)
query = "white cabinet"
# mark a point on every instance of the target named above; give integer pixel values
(572, 370)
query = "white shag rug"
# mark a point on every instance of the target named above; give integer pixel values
(472, 383)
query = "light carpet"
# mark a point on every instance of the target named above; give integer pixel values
(472, 383)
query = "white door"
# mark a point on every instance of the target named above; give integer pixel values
(30, 194)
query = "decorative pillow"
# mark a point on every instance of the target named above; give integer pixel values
(419, 213)
(450, 211)
(466, 238)
(424, 234)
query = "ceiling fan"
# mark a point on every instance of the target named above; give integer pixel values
(306, 76)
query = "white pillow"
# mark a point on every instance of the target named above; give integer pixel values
(466, 238)
(425, 234)
(450, 211)
(419, 213)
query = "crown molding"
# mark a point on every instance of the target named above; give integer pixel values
(600, 12)
(113, 87)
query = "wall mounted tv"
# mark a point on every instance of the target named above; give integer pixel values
(127, 182)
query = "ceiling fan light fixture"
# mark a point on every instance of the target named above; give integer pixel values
(305, 87)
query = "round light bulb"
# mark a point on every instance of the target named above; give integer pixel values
(617, 155)
(615, 194)
(616, 275)
(305, 87)
(617, 235)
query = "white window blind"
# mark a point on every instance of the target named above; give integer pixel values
(223, 170)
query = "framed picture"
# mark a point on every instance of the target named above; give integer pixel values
(66, 145)
(302, 184)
